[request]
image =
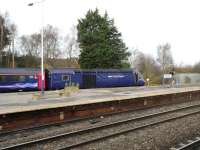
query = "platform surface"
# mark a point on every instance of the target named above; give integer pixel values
(23, 101)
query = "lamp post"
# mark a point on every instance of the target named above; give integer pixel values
(42, 45)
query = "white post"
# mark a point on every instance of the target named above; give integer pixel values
(42, 51)
(42, 45)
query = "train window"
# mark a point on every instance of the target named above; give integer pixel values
(22, 78)
(2, 78)
(15, 78)
(31, 77)
(65, 77)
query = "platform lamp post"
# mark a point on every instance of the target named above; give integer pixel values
(42, 44)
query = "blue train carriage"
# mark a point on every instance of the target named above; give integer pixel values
(100, 78)
(61, 77)
(20, 79)
(105, 78)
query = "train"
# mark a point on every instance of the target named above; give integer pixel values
(30, 79)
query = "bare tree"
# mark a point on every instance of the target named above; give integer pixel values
(146, 65)
(51, 44)
(8, 32)
(165, 57)
(4, 32)
(71, 46)
(135, 59)
(151, 69)
(30, 44)
(13, 30)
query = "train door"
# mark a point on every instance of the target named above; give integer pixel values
(89, 81)
(136, 77)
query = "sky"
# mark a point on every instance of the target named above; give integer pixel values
(144, 24)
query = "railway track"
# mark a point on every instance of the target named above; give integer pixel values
(190, 145)
(82, 137)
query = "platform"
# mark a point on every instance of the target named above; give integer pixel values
(23, 101)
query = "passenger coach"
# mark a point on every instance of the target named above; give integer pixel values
(20, 79)
(100, 78)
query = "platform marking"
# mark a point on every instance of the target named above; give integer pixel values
(145, 102)
(62, 115)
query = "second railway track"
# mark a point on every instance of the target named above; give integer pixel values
(85, 136)
(193, 144)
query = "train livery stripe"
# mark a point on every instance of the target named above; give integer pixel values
(19, 86)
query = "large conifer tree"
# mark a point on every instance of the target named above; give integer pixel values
(100, 42)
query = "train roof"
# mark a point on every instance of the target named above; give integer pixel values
(73, 70)
(107, 70)
(10, 71)
(62, 70)
(57, 70)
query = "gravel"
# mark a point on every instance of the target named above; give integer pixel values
(159, 137)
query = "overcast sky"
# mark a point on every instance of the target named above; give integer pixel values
(144, 24)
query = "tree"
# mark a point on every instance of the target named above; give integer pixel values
(165, 57)
(51, 44)
(4, 33)
(8, 32)
(100, 42)
(196, 67)
(184, 68)
(151, 69)
(13, 31)
(146, 65)
(71, 47)
(30, 46)
(136, 59)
